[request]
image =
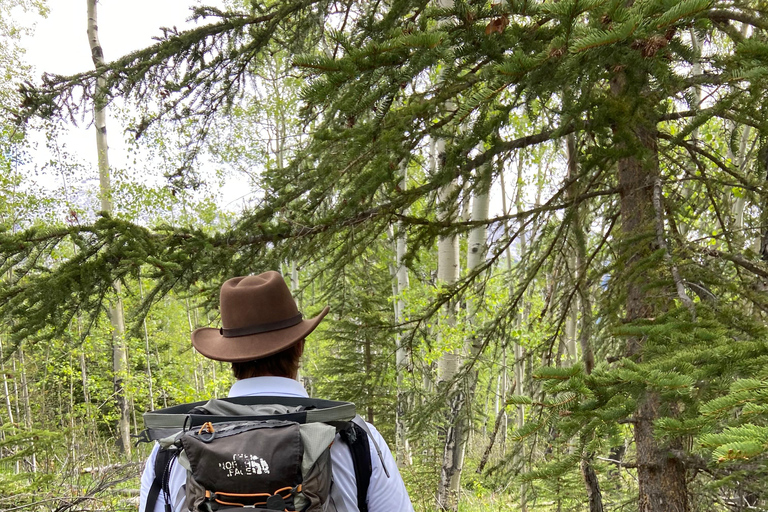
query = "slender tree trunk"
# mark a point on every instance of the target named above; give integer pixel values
(28, 421)
(518, 371)
(73, 432)
(463, 397)
(503, 400)
(369, 391)
(738, 203)
(198, 372)
(120, 371)
(84, 379)
(576, 238)
(16, 402)
(498, 427)
(578, 248)
(6, 394)
(449, 362)
(400, 280)
(147, 353)
(294, 282)
(115, 310)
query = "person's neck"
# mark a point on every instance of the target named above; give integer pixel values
(270, 375)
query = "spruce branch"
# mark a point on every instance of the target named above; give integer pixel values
(721, 15)
(193, 73)
(722, 113)
(519, 143)
(755, 268)
(695, 150)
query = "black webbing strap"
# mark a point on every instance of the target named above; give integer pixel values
(159, 483)
(357, 439)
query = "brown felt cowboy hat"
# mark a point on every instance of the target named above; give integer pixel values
(258, 318)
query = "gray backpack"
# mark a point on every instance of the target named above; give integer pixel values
(263, 453)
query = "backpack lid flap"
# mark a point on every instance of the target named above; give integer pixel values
(307, 410)
(226, 408)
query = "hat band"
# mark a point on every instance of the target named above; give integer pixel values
(259, 328)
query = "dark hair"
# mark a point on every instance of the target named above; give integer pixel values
(282, 364)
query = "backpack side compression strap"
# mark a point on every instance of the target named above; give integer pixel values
(162, 463)
(355, 437)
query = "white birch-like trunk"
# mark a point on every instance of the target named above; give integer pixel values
(503, 401)
(115, 311)
(7, 395)
(689, 188)
(449, 363)
(448, 270)
(571, 321)
(459, 423)
(198, 370)
(519, 370)
(16, 402)
(147, 356)
(740, 161)
(28, 424)
(294, 281)
(402, 448)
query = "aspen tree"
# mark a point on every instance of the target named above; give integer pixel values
(448, 271)
(400, 286)
(115, 309)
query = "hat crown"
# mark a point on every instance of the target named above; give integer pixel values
(259, 318)
(253, 301)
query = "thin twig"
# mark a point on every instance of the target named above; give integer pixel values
(660, 240)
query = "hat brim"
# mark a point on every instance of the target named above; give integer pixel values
(209, 341)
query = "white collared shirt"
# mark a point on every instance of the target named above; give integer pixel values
(385, 494)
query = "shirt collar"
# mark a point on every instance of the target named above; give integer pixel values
(268, 386)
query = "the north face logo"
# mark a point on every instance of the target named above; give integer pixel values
(245, 464)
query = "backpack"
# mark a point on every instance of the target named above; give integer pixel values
(263, 453)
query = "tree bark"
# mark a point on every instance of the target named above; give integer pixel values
(449, 362)
(6, 395)
(115, 310)
(661, 476)
(369, 391)
(402, 448)
(28, 421)
(461, 408)
(147, 357)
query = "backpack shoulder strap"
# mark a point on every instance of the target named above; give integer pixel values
(163, 461)
(362, 424)
(356, 438)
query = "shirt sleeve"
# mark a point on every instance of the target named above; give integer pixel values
(147, 476)
(385, 494)
(175, 485)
